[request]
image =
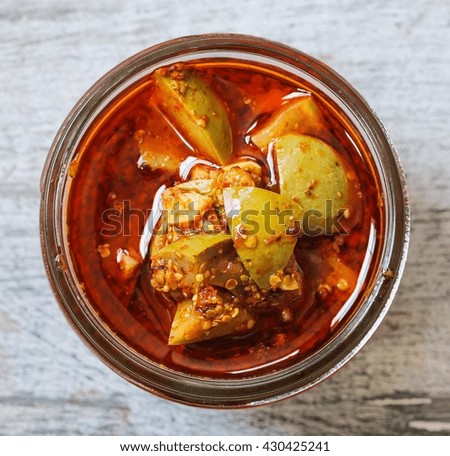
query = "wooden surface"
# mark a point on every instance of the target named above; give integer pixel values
(397, 54)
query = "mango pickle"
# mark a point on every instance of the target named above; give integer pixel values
(223, 269)
(196, 111)
(299, 115)
(184, 263)
(264, 229)
(212, 174)
(194, 324)
(152, 139)
(156, 160)
(311, 173)
(264, 225)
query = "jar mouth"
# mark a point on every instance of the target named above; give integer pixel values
(205, 391)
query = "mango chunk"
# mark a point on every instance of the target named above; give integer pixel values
(196, 111)
(300, 115)
(186, 263)
(225, 270)
(194, 323)
(264, 229)
(127, 263)
(312, 173)
(159, 146)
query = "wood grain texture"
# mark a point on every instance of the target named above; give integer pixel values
(395, 53)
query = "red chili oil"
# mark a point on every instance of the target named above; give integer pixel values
(106, 179)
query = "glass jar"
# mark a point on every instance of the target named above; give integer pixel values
(211, 392)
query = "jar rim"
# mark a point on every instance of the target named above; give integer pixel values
(182, 387)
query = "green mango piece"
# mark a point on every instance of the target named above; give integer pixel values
(300, 115)
(193, 258)
(196, 111)
(190, 324)
(264, 229)
(311, 173)
(222, 266)
(194, 248)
